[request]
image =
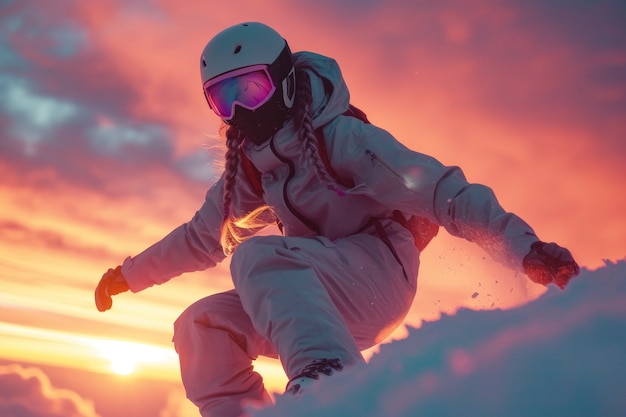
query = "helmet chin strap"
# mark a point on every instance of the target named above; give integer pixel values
(289, 88)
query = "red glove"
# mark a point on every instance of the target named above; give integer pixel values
(112, 283)
(548, 263)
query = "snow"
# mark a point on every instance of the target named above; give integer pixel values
(563, 354)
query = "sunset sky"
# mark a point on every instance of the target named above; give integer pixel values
(106, 144)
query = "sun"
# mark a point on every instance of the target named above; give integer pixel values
(126, 357)
(123, 366)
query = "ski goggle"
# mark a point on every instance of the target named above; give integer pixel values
(249, 87)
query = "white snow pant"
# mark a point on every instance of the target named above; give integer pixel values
(298, 299)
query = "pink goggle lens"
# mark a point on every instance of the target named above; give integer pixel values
(250, 89)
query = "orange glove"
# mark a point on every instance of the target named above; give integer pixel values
(548, 263)
(111, 283)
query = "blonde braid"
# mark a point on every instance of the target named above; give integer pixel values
(228, 238)
(233, 141)
(234, 229)
(304, 123)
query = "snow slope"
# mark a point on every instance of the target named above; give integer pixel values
(564, 354)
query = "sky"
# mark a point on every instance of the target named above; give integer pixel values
(106, 144)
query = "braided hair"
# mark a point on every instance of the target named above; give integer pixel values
(303, 117)
(231, 231)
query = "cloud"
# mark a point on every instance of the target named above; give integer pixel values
(178, 405)
(28, 392)
(15, 233)
(74, 108)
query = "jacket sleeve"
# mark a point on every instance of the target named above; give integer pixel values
(417, 184)
(192, 246)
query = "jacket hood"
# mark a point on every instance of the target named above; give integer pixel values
(331, 97)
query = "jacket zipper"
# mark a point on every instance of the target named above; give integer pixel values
(292, 173)
(374, 158)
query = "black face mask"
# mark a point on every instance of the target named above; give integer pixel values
(259, 125)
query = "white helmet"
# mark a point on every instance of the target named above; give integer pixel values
(248, 79)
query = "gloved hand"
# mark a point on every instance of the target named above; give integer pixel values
(111, 283)
(549, 263)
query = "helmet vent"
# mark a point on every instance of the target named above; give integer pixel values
(203, 62)
(237, 49)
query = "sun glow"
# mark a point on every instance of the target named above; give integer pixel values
(125, 357)
(124, 366)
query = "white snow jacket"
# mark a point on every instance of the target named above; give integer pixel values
(387, 176)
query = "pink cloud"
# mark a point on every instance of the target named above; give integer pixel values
(27, 392)
(178, 405)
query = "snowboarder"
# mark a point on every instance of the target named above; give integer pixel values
(355, 208)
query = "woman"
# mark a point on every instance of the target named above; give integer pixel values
(344, 273)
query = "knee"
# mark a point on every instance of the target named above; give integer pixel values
(204, 313)
(191, 313)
